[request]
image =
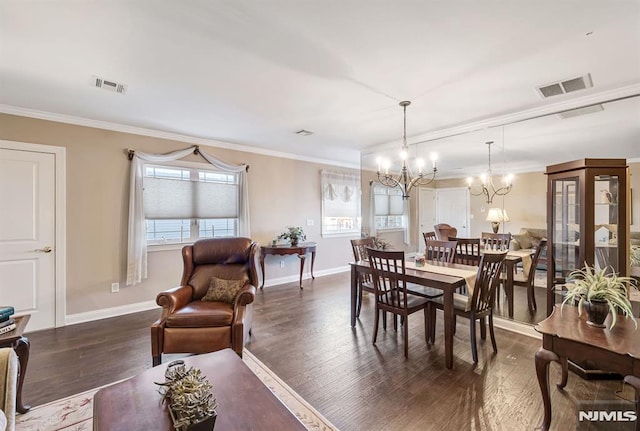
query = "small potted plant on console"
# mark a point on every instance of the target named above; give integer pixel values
(293, 234)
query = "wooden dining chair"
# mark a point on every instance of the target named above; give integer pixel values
(480, 306)
(359, 248)
(467, 251)
(440, 251)
(389, 280)
(444, 231)
(428, 235)
(495, 241)
(528, 281)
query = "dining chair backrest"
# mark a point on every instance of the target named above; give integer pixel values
(440, 251)
(428, 235)
(467, 251)
(534, 260)
(487, 280)
(388, 273)
(496, 241)
(359, 248)
(444, 231)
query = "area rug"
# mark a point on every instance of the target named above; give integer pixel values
(74, 413)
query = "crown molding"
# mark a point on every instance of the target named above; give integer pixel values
(134, 130)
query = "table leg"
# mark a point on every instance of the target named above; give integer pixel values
(262, 268)
(313, 260)
(302, 257)
(511, 266)
(22, 351)
(635, 382)
(354, 288)
(542, 359)
(448, 328)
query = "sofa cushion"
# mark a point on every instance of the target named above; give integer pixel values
(223, 290)
(524, 240)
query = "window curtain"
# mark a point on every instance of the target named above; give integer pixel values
(340, 197)
(405, 221)
(137, 241)
(372, 209)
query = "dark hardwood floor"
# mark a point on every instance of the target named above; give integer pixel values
(305, 338)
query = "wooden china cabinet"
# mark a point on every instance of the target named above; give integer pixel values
(588, 218)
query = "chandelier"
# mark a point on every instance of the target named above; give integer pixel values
(405, 181)
(487, 188)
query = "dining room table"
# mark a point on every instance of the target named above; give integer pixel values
(448, 277)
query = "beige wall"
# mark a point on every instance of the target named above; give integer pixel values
(281, 192)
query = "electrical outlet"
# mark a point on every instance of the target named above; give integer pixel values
(309, 222)
(115, 287)
(282, 264)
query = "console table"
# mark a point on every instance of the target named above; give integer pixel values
(244, 402)
(299, 250)
(20, 344)
(567, 335)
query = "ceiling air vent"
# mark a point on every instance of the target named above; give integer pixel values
(567, 86)
(580, 111)
(105, 84)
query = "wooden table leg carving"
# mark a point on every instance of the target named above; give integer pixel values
(542, 359)
(262, 268)
(313, 260)
(22, 351)
(302, 258)
(635, 383)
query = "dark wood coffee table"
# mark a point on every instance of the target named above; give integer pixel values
(20, 344)
(244, 402)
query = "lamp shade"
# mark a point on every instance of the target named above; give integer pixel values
(497, 215)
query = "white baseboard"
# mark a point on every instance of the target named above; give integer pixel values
(306, 276)
(517, 327)
(105, 313)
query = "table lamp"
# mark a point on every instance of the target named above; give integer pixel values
(495, 216)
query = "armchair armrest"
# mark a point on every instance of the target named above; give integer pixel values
(245, 296)
(172, 299)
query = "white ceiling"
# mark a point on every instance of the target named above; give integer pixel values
(254, 72)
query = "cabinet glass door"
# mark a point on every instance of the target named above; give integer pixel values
(566, 225)
(606, 212)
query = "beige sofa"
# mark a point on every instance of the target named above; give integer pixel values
(530, 238)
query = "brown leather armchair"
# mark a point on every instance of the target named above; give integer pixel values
(190, 325)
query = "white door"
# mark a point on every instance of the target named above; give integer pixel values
(27, 235)
(426, 213)
(452, 207)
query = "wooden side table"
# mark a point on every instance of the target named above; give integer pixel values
(299, 250)
(567, 335)
(20, 345)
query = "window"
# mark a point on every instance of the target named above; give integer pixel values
(340, 203)
(183, 203)
(389, 207)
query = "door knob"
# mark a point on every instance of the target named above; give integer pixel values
(47, 249)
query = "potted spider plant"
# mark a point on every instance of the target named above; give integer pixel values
(599, 292)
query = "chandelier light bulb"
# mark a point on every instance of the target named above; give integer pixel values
(404, 154)
(434, 158)
(469, 181)
(420, 163)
